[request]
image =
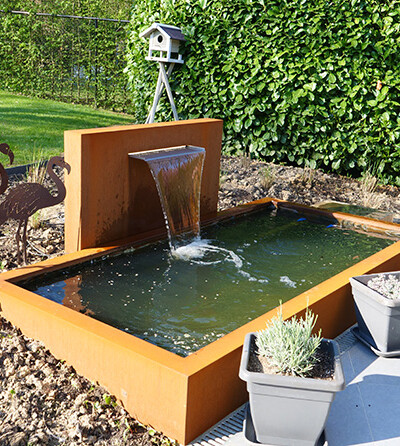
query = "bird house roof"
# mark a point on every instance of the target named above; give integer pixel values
(171, 31)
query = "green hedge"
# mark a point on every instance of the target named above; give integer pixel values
(309, 82)
(67, 59)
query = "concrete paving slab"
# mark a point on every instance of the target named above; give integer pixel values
(366, 413)
(382, 405)
(348, 422)
(366, 363)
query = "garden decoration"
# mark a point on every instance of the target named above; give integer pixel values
(4, 148)
(289, 398)
(26, 199)
(377, 304)
(164, 41)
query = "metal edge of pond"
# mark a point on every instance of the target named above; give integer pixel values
(343, 220)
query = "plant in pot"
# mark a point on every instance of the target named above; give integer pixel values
(377, 304)
(292, 377)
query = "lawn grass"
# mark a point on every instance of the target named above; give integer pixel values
(34, 128)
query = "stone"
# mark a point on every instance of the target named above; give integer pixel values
(80, 399)
(18, 439)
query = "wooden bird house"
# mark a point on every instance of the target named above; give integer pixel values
(164, 41)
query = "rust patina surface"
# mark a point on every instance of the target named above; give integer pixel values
(4, 148)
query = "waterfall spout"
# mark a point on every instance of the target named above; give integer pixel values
(177, 173)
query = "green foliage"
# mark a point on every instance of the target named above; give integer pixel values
(36, 172)
(67, 59)
(268, 177)
(35, 220)
(109, 400)
(310, 83)
(290, 345)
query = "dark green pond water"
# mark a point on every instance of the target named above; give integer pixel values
(183, 302)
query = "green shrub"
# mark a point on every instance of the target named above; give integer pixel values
(289, 345)
(308, 83)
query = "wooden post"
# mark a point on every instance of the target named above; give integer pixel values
(162, 83)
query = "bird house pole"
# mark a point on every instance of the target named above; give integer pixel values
(162, 82)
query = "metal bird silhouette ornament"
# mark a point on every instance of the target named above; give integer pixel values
(4, 148)
(27, 198)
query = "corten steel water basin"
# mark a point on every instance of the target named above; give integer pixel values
(182, 397)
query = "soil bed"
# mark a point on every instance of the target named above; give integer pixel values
(241, 180)
(42, 400)
(323, 369)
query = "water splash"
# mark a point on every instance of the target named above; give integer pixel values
(209, 254)
(287, 281)
(202, 252)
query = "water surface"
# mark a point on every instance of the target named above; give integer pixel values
(244, 268)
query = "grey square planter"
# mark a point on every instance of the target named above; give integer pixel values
(289, 410)
(377, 316)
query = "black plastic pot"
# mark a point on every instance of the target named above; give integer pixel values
(377, 316)
(290, 410)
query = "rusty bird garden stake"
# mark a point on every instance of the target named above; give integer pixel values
(27, 198)
(4, 148)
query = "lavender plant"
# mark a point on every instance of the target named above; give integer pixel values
(290, 345)
(388, 286)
